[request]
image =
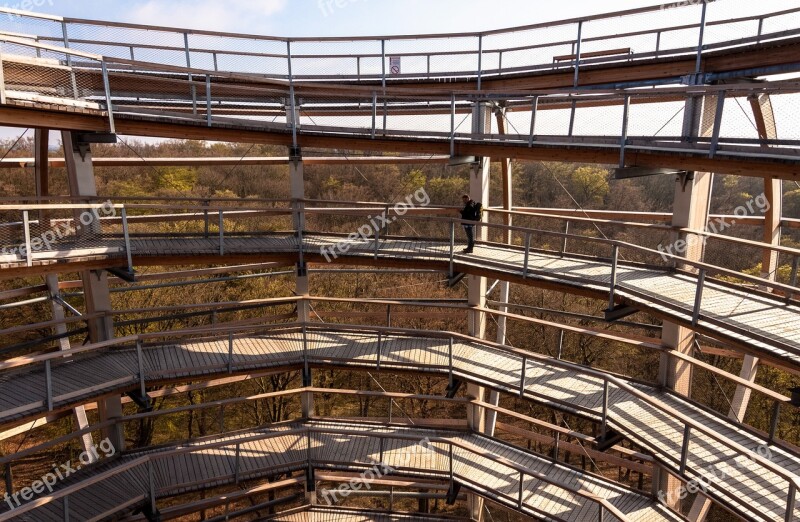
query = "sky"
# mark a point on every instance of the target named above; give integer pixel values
(329, 17)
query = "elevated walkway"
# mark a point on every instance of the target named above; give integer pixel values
(756, 322)
(510, 476)
(742, 469)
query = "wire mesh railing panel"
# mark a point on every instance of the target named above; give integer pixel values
(48, 30)
(530, 48)
(780, 23)
(598, 121)
(785, 108)
(332, 59)
(27, 75)
(552, 122)
(432, 57)
(738, 120)
(653, 120)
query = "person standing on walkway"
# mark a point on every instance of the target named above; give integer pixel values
(471, 212)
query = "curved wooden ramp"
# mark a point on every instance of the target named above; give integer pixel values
(749, 474)
(754, 321)
(489, 467)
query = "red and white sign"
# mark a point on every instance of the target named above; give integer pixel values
(394, 64)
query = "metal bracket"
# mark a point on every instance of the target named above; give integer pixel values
(619, 312)
(452, 389)
(696, 79)
(295, 154)
(609, 440)
(129, 276)
(685, 178)
(144, 402)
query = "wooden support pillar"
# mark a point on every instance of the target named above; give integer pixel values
(41, 142)
(506, 180)
(479, 191)
(97, 297)
(691, 209)
(764, 118)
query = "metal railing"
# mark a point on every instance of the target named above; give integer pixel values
(450, 448)
(680, 464)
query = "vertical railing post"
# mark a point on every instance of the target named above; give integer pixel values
(221, 233)
(126, 235)
(527, 260)
(534, 113)
(604, 419)
(377, 237)
(140, 362)
(358, 68)
(521, 489)
(192, 89)
(790, 502)
(208, 100)
(573, 108)
(613, 282)
(48, 378)
(2, 80)
(450, 363)
(578, 55)
(623, 141)
(237, 453)
(107, 88)
(480, 60)
(374, 112)
(699, 63)
(698, 297)
(26, 224)
(452, 247)
(658, 43)
(717, 124)
(69, 60)
(380, 348)
(760, 29)
(522, 377)
(564, 243)
(388, 316)
(292, 101)
(452, 124)
(383, 83)
(230, 353)
(216, 62)
(65, 507)
(687, 432)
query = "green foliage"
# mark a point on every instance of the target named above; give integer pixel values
(174, 179)
(589, 185)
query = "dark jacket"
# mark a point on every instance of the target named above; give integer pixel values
(472, 211)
